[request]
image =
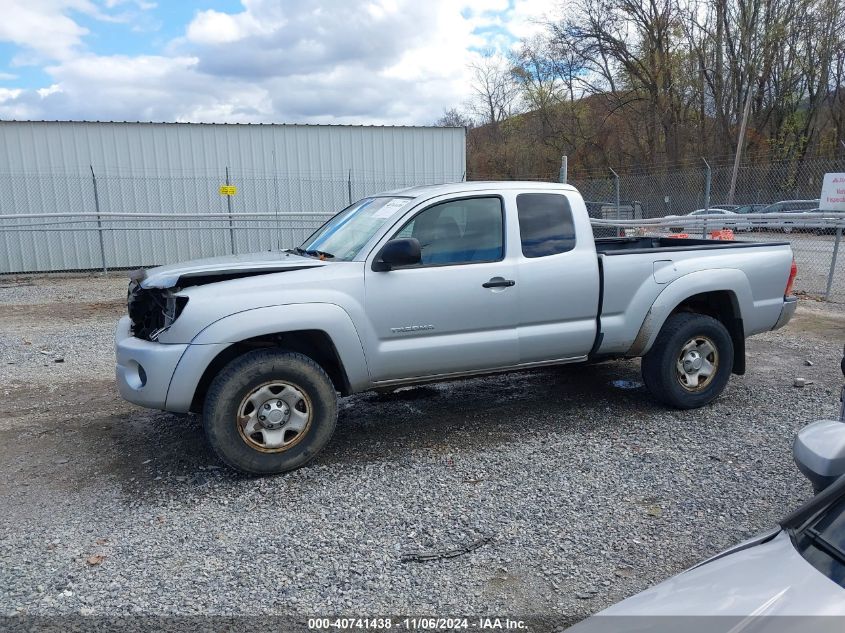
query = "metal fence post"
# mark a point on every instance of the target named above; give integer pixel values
(564, 170)
(229, 207)
(618, 210)
(706, 196)
(833, 263)
(739, 145)
(276, 197)
(349, 187)
(99, 221)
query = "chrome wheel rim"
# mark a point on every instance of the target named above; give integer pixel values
(697, 364)
(274, 417)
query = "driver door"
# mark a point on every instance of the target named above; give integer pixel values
(455, 312)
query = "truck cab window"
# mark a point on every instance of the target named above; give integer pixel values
(459, 231)
(545, 224)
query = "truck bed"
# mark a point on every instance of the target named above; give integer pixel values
(632, 245)
(636, 270)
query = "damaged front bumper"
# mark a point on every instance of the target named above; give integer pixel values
(144, 369)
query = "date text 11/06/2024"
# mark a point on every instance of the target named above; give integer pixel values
(423, 623)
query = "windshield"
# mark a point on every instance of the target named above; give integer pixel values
(343, 237)
(822, 542)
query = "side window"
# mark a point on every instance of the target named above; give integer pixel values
(545, 224)
(459, 231)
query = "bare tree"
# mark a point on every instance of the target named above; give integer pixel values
(453, 117)
(663, 81)
(632, 55)
(495, 93)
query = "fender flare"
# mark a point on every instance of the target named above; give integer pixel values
(234, 328)
(730, 280)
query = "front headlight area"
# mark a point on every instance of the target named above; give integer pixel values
(153, 310)
(174, 306)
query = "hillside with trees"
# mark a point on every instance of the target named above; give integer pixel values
(641, 83)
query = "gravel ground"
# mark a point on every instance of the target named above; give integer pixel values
(586, 490)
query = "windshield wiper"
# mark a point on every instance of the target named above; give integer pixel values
(828, 547)
(311, 253)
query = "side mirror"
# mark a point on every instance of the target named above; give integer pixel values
(819, 452)
(399, 252)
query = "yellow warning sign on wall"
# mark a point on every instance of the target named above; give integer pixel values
(228, 190)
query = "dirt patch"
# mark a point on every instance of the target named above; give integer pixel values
(64, 400)
(824, 324)
(65, 311)
(72, 436)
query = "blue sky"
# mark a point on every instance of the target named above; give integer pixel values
(338, 61)
(147, 32)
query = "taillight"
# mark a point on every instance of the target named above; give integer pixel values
(793, 271)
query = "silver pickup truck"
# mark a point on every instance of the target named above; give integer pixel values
(428, 284)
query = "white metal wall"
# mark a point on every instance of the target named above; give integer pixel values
(302, 173)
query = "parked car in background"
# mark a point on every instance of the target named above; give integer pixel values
(746, 208)
(791, 207)
(795, 569)
(433, 283)
(595, 211)
(732, 221)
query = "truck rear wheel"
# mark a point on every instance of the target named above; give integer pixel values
(269, 411)
(690, 362)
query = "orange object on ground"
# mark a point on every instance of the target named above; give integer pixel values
(723, 234)
(680, 236)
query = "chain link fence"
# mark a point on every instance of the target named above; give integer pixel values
(772, 201)
(102, 221)
(681, 189)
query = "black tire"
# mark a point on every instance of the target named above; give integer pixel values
(660, 365)
(249, 374)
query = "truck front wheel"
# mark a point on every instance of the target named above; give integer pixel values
(269, 411)
(690, 362)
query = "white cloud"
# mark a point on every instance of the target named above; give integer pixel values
(42, 27)
(46, 29)
(368, 61)
(50, 90)
(214, 27)
(13, 105)
(8, 94)
(528, 18)
(144, 5)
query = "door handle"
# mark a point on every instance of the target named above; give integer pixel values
(498, 282)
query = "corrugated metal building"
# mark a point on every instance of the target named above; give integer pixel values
(300, 174)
